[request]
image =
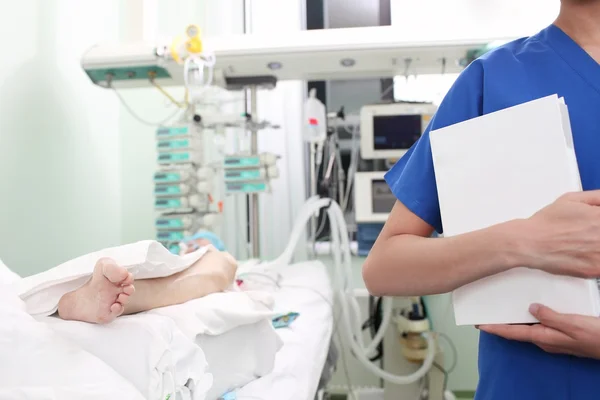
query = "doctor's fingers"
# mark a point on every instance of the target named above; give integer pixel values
(565, 323)
(542, 335)
(556, 350)
(591, 197)
(538, 334)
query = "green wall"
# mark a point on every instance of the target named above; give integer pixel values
(59, 149)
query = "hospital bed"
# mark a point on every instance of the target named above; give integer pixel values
(220, 346)
(306, 359)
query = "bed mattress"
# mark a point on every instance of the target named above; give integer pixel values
(303, 288)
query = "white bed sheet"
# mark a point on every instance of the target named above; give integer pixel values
(304, 288)
(203, 348)
(147, 350)
(239, 356)
(37, 364)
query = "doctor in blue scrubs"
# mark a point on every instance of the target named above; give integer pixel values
(558, 359)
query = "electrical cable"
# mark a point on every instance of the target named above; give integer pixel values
(373, 323)
(454, 352)
(376, 326)
(352, 168)
(140, 119)
(167, 95)
(426, 312)
(443, 371)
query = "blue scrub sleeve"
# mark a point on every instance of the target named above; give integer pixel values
(412, 178)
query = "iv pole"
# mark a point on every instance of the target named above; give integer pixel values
(253, 206)
(253, 217)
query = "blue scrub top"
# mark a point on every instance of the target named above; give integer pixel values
(524, 70)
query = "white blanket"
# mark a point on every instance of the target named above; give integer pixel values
(167, 346)
(239, 356)
(145, 260)
(236, 333)
(158, 351)
(147, 350)
(38, 365)
(218, 313)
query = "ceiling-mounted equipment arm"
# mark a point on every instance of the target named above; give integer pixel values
(262, 60)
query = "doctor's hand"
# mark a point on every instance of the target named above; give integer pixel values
(564, 237)
(557, 333)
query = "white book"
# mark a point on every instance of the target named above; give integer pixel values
(503, 166)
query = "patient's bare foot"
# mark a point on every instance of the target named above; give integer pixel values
(102, 298)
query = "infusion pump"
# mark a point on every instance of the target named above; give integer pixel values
(387, 131)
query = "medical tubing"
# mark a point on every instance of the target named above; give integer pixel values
(342, 261)
(312, 205)
(308, 208)
(200, 65)
(335, 217)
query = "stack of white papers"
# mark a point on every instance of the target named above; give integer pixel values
(496, 168)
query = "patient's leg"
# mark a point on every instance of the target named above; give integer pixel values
(214, 272)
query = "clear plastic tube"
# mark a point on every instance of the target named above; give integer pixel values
(344, 290)
(338, 223)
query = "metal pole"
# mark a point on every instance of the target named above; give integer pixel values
(313, 192)
(253, 198)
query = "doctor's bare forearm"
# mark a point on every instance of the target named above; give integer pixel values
(411, 265)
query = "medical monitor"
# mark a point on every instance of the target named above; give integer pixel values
(387, 131)
(373, 199)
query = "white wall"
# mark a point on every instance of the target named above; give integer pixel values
(58, 135)
(459, 19)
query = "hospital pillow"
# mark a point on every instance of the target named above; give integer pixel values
(7, 277)
(145, 260)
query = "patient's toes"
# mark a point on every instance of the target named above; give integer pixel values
(122, 299)
(128, 281)
(129, 290)
(112, 271)
(116, 310)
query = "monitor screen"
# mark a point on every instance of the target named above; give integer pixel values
(396, 132)
(382, 197)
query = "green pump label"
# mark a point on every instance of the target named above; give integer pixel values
(169, 223)
(168, 203)
(166, 177)
(252, 161)
(172, 131)
(171, 157)
(247, 187)
(167, 190)
(170, 236)
(243, 175)
(173, 144)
